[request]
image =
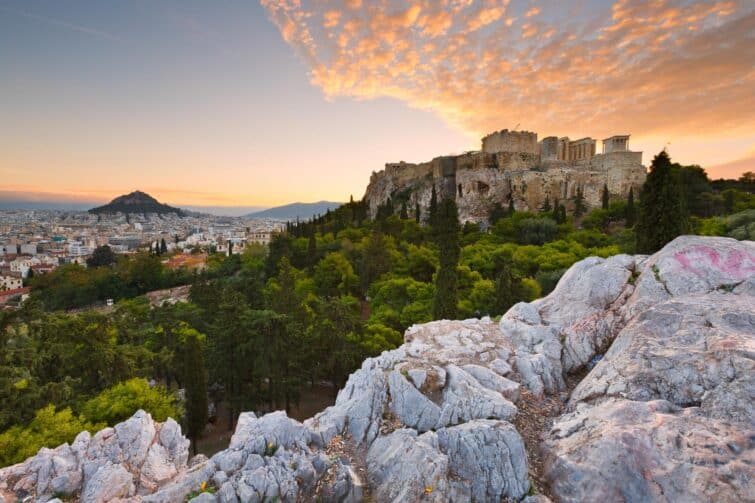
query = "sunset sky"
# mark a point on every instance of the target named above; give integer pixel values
(239, 103)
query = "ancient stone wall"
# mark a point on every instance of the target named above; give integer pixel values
(511, 141)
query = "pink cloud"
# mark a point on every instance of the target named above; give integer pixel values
(640, 66)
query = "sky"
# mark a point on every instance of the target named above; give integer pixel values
(255, 104)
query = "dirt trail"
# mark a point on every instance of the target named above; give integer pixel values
(533, 421)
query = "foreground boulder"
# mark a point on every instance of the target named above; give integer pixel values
(664, 414)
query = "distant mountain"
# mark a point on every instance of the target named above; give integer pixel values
(302, 211)
(136, 202)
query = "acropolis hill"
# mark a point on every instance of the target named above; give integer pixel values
(513, 164)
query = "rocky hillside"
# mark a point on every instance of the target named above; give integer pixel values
(482, 411)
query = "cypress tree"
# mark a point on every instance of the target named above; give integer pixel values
(562, 214)
(404, 214)
(729, 201)
(557, 211)
(447, 230)
(511, 205)
(579, 203)
(504, 286)
(196, 387)
(605, 196)
(312, 249)
(433, 206)
(163, 247)
(661, 215)
(496, 213)
(630, 211)
(417, 214)
(546, 205)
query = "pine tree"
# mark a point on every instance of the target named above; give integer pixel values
(433, 207)
(661, 215)
(447, 231)
(195, 382)
(630, 211)
(605, 196)
(579, 203)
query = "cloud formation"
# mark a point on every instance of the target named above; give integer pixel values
(647, 67)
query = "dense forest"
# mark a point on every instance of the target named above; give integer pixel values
(262, 326)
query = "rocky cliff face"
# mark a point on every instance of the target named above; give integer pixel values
(461, 411)
(477, 185)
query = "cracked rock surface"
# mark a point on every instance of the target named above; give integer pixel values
(665, 415)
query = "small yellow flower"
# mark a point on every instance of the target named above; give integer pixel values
(203, 486)
(428, 490)
(270, 445)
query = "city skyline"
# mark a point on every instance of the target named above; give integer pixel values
(270, 103)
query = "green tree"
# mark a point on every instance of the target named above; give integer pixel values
(376, 258)
(101, 256)
(579, 203)
(546, 207)
(661, 215)
(447, 237)
(433, 212)
(163, 247)
(496, 214)
(403, 215)
(630, 211)
(312, 255)
(604, 196)
(334, 276)
(557, 211)
(417, 213)
(195, 382)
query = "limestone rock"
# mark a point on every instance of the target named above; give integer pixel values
(648, 451)
(489, 457)
(405, 467)
(137, 456)
(108, 482)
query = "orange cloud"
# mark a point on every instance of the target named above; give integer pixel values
(650, 67)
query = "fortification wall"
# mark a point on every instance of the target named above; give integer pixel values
(511, 141)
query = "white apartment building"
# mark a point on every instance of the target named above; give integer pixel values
(78, 249)
(10, 283)
(21, 266)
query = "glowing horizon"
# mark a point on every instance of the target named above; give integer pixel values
(263, 105)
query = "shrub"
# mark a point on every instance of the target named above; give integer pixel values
(49, 428)
(118, 403)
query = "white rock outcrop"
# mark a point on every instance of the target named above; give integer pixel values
(665, 413)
